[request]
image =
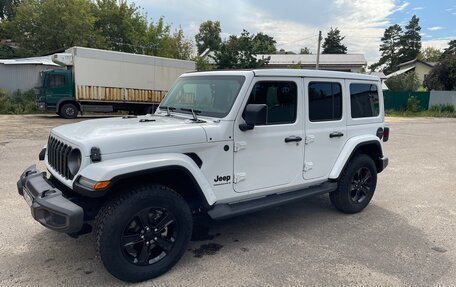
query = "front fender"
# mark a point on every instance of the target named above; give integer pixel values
(350, 146)
(110, 169)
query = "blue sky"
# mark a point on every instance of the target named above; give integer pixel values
(295, 24)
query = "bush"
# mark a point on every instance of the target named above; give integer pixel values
(403, 82)
(447, 108)
(413, 104)
(18, 102)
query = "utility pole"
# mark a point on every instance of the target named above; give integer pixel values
(318, 50)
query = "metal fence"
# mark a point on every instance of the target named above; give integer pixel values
(398, 100)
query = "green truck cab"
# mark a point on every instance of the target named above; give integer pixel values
(57, 91)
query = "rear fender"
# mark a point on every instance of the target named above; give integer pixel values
(350, 148)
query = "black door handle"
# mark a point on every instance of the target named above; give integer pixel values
(293, 139)
(336, 135)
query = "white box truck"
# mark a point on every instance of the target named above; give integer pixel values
(107, 81)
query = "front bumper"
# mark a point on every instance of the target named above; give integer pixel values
(47, 204)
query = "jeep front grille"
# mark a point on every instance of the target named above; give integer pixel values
(58, 153)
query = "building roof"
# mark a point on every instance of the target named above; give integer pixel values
(381, 75)
(46, 60)
(399, 72)
(430, 64)
(311, 59)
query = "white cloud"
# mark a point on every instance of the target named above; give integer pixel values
(435, 28)
(439, 43)
(418, 8)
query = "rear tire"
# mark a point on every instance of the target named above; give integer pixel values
(356, 185)
(143, 233)
(68, 111)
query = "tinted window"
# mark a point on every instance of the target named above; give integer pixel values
(325, 101)
(281, 99)
(364, 100)
(56, 81)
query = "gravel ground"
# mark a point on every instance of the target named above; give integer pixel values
(406, 237)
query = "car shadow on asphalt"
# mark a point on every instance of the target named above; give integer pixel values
(376, 237)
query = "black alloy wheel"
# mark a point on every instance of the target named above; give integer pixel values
(149, 236)
(361, 185)
(356, 185)
(142, 232)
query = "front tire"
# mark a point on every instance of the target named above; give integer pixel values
(356, 185)
(68, 111)
(143, 233)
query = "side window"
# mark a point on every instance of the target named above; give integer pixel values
(364, 100)
(56, 81)
(325, 101)
(281, 99)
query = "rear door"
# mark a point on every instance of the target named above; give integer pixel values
(326, 131)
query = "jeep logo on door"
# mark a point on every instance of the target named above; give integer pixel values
(221, 180)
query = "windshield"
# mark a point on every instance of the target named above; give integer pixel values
(209, 95)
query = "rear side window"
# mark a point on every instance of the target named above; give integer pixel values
(364, 100)
(280, 97)
(325, 101)
(56, 81)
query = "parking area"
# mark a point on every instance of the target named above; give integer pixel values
(406, 237)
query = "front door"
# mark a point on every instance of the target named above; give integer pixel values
(326, 131)
(272, 154)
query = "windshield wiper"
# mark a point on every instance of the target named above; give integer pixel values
(168, 110)
(194, 114)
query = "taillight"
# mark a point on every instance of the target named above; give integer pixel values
(386, 134)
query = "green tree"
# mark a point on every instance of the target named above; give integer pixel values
(305, 51)
(443, 75)
(333, 43)
(429, 54)
(238, 53)
(44, 26)
(450, 50)
(389, 50)
(7, 8)
(208, 36)
(411, 41)
(122, 26)
(264, 44)
(403, 82)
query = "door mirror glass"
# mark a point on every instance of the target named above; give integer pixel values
(254, 114)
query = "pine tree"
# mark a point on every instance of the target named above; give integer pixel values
(411, 41)
(333, 43)
(390, 49)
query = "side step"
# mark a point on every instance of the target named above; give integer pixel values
(225, 210)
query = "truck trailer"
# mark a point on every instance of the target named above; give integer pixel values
(106, 81)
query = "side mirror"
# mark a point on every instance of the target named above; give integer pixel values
(254, 114)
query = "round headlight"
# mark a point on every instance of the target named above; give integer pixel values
(74, 161)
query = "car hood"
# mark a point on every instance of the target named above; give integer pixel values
(114, 135)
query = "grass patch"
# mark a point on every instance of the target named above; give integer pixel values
(18, 103)
(428, 113)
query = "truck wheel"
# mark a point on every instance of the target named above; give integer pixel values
(68, 111)
(356, 185)
(143, 233)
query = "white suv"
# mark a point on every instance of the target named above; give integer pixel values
(221, 144)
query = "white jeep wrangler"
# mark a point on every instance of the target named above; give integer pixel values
(220, 144)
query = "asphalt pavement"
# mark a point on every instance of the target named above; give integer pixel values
(405, 237)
